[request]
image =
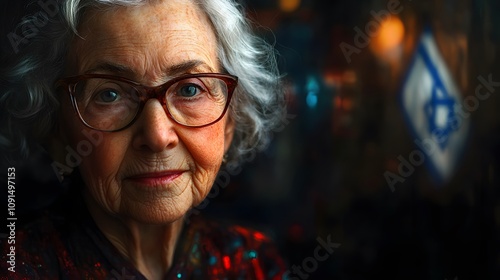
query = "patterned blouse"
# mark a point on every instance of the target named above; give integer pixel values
(55, 247)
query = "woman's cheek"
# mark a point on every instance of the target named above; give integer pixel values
(100, 172)
(104, 192)
(201, 184)
(207, 156)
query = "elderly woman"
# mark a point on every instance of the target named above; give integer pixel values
(151, 97)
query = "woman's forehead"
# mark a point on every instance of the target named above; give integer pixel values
(154, 15)
(152, 36)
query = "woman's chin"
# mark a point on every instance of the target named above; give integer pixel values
(156, 213)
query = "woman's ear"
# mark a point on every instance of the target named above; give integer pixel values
(228, 133)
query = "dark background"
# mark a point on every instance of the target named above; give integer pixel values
(323, 174)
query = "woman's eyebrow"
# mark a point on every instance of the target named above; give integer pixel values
(171, 71)
(111, 67)
(188, 66)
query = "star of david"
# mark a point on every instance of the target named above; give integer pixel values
(440, 99)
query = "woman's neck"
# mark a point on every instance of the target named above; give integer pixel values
(150, 248)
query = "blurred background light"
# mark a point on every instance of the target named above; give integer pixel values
(388, 37)
(312, 88)
(289, 5)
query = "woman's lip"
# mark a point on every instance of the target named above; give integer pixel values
(156, 174)
(156, 178)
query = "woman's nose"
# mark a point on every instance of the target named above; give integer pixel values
(154, 129)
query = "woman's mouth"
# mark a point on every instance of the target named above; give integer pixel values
(156, 178)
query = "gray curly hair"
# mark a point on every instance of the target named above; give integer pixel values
(31, 105)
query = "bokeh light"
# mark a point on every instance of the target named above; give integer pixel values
(289, 5)
(389, 36)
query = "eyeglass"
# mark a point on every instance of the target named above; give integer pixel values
(110, 103)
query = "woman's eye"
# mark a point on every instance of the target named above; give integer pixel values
(107, 96)
(189, 90)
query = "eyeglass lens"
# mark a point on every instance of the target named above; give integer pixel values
(107, 104)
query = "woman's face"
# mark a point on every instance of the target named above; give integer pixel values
(154, 170)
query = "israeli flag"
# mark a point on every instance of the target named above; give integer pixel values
(432, 105)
